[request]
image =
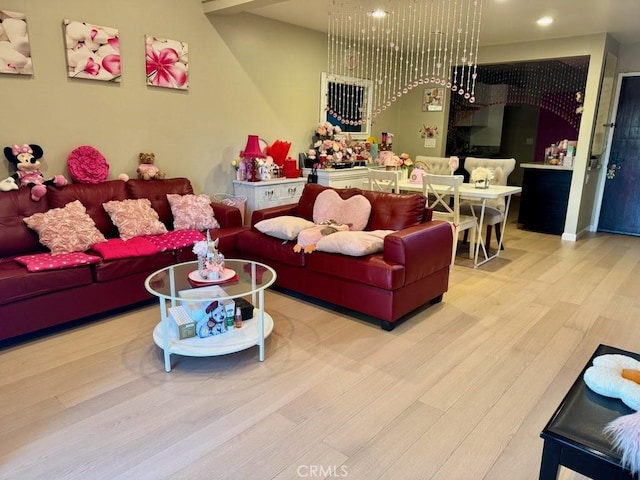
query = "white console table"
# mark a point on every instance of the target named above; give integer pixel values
(268, 193)
(356, 177)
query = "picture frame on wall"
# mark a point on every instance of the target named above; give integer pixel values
(15, 48)
(433, 99)
(167, 62)
(93, 51)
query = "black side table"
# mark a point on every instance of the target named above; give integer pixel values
(573, 437)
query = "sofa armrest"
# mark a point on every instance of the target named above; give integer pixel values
(227, 215)
(422, 249)
(272, 212)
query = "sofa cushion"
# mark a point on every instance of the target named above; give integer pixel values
(92, 196)
(112, 270)
(192, 212)
(115, 248)
(284, 227)
(134, 218)
(40, 262)
(353, 211)
(394, 211)
(355, 244)
(175, 239)
(370, 270)
(17, 283)
(156, 191)
(256, 245)
(66, 229)
(15, 236)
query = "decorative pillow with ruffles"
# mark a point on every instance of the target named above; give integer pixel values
(66, 229)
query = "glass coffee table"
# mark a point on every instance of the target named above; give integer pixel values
(173, 286)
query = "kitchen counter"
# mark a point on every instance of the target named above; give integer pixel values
(544, 166)
(545, 196)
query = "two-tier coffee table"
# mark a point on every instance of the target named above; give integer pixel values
(252, 280)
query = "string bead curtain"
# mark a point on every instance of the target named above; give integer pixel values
(416, 42)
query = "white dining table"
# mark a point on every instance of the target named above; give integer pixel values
(468, 191)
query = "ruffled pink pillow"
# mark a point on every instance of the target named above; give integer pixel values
(65, 230)
(87, 165)
(192, 212)
(134, 218)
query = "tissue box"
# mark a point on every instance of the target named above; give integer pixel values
(246, 309)
(185, 325)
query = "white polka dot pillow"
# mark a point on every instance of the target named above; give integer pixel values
(192, 212)
(134, 218)
(66, 229)
(41, 262)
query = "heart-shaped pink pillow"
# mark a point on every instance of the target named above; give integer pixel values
(354, 211)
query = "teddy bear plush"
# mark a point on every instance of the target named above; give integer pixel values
(26, 160)
(146, 168)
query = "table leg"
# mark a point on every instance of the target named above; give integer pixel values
(480, 239)
(261, 325)
(550, 463)
(165, 334)
(504, 223)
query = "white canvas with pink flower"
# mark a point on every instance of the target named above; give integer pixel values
(93, 51)
(167, 62)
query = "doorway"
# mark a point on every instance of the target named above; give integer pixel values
(620, 208)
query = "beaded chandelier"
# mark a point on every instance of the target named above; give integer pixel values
(398, 45)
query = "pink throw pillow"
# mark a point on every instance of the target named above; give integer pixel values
(134, 218)
(330, 207)
(176, 239)
(66, 229)
(192, 212)
(41, 262)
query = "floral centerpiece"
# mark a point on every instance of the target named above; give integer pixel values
(328, 148)
(210, 260)
(481, 176)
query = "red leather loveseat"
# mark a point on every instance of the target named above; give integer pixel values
(33, 300)
(411, 271)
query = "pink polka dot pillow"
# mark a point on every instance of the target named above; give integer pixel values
(192, 212)
(40, 262)
(66, 229)
(134, 218)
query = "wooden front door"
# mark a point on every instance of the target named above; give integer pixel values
(620, 211)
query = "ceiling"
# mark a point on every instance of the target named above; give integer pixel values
(503, 21)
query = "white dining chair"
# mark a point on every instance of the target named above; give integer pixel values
(443, 197)
(384, 180)
(494, 209)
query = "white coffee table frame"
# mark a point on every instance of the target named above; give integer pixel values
(166, 284)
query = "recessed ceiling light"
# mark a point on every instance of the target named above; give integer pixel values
(544, 21)
(378, 13)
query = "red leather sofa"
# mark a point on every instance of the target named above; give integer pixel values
(31, 301)
(411, 271)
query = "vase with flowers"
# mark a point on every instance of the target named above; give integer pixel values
(210, 260)
(481, 177)
(406, 165)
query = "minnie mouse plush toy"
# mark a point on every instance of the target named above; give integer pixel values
(26, 159)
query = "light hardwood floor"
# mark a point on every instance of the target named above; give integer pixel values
(459, 391)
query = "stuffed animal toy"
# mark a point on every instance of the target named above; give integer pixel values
(146, 168)
(618, 376)
(308, 238)
(26, 159)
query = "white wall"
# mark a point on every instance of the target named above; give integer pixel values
(256, 79)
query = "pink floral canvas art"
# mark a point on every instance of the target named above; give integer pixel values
(93, 52)
(15, 50)
(167, 62)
